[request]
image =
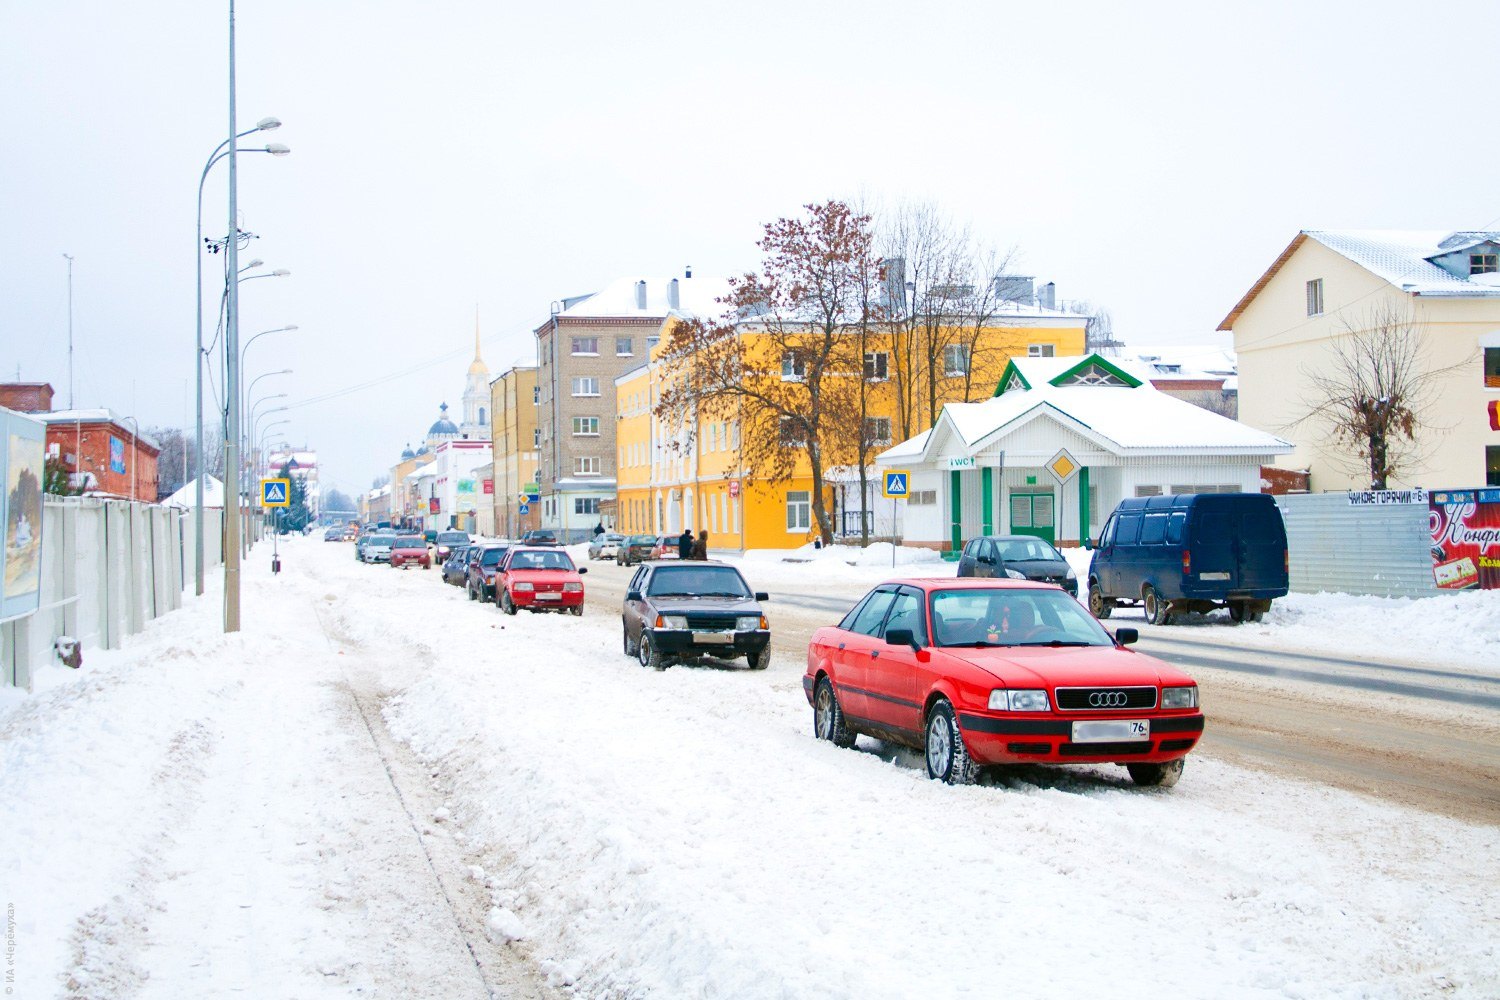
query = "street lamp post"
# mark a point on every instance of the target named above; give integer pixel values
(248, 474)
(246, 349)
(259, 445)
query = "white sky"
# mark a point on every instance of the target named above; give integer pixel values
(1151, 157)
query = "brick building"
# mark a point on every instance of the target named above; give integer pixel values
(26, 397)
(103, 452)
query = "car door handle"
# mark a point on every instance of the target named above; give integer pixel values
(874, 654)
(841, 645)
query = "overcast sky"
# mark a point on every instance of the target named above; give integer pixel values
(446, 155)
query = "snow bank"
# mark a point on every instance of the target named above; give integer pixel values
(839, 564)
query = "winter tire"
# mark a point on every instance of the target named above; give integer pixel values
(1158, 611)
(828, 716)
(506, 604)
(631, 648)
(469, 587)
(948, 759)
(1100, 607)
(1156, 775)
(648, 654)
(760, 660)
(576, 612)
(1241, 612)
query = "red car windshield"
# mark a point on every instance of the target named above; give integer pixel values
(410, 542)
(541, 560)
(1012, 617)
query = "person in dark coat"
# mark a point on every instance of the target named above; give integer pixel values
(598, 529)
(685, 544)
(700, 547)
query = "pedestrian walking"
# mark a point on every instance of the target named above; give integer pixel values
(598, 529)
(685, 544)
(700, 547)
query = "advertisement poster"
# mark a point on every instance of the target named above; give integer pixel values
(467, 495)
(1465, 527)
(116, 454)
(21, 508)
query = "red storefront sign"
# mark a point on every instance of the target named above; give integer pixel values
(489, 487)
(434, 506)
(734, 488)
(1465, 527)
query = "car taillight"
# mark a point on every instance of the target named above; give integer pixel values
(1286, 561)
(1187, 563)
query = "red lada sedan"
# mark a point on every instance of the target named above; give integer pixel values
(540, 579)
(410, 550)
(981, 672)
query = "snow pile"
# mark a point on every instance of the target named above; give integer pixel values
(839, 564)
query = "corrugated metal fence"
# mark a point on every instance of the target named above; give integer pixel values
(108, 567)
(1357, 548)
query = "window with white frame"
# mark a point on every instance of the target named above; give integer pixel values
(713, 437)
(585, 426)
(1315, 297)
(877, 365)
(586, 465)
(536, 394)
(1041, 350)
(734, 435)
(956, 359)
(922, 498)
(585, 385)
(798, 510)
(585, 505)
(1484, 263)
(877, 430)
(586, 345)
(536, 437)
(793, 366)
(1093, 375)
(623, 347)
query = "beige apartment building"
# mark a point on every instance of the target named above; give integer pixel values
(1447, 284)
(583, 347)
(517, 445)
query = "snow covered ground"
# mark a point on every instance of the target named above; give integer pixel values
(190, 817)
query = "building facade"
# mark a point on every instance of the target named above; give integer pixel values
(517, 448)
(1328, 284)
(103, 452)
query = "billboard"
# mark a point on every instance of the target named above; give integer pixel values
(1465, 529)
(22, 458)
(116, 454)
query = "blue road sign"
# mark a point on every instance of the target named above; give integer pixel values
(895, 485)
(525, 508)
(275, 492)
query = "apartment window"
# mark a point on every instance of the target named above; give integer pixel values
(877, 430)
(623, 347)
(1315, 297)
(793, 366)
(922, 498)
(877, 365)
(586, 466)
(1041, 350)
(792, 434)
(1484, 263)
(586, 345)
(713, 437)
(734, 435)
(585, 505)
(1492, 367)
(585, 426)
(536, 394)
(536, 437)
(956, 359)
(1492, 465)
(798, 510)
(1148, 491)
(586, 385)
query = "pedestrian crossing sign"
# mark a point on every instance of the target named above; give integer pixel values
(895, 486)
(275, 492)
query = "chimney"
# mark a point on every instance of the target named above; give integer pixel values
(689, 271)
(674, 299)
(640, 295)
(893, 286)
(1048, 298)
(1015, 288)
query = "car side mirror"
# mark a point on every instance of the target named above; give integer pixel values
(632, 595)
(582, 570)
(761, 595)
(902, 637)
(1089, 545)
(1127, 636)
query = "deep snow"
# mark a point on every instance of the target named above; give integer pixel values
(190, 817)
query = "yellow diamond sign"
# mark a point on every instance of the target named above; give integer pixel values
(1063, 466)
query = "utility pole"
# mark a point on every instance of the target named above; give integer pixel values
(233, 474)
(71, 403)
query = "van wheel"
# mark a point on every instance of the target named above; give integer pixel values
(1158, 612)
(1100, 607)
(1240, 612)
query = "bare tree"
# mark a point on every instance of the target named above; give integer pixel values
(1372, 394)
(973, 320)
(1099, 330)
(380, 480)
(780, 357)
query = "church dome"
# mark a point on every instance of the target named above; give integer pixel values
(443, 426)
(407, 453)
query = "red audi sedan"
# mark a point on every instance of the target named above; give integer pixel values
(982, 672)
(539, 579)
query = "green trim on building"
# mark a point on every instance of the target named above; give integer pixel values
(1083, 505)
(1094, 359)
(1010, 369)
(956, 507)
(987, 486)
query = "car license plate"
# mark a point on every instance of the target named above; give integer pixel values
(714, 637)
(1112, 731)
(548, 597)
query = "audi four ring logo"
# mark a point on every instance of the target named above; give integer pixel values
(1107, 699)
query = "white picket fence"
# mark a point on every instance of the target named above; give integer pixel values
(108, 567)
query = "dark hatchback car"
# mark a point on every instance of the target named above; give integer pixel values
(678, 610)
(1017, 557)
(635, 549)
(456, 566)
(539, 536)
(484, 566)
(447, 541)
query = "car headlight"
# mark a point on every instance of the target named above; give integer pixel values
(1070, 574)
(1179, 697)
(1002, 700)
(749, 623)
(524, 587)
(572, 588)
(1014, 574)
(671, 621)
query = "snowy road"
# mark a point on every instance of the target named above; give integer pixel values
(201, 816)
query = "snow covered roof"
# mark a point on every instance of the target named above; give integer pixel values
(187, 497)
(100, 415)
(1189, 360)
(1121, 418)
(621, 298)
(1403, 257)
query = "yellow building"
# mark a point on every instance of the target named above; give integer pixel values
(513, 429)
(693, 475)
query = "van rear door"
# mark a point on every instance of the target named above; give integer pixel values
(1261, 549)
(1212, 548)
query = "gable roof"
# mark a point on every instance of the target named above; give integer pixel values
(1402, 257)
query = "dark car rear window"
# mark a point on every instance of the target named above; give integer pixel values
(491, 557)
(453, 537)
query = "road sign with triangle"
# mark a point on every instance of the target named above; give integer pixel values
(275, 492)
(896, 485)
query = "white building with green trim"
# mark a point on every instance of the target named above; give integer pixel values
(1062, 441)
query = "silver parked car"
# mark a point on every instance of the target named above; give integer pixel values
(606, 546)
